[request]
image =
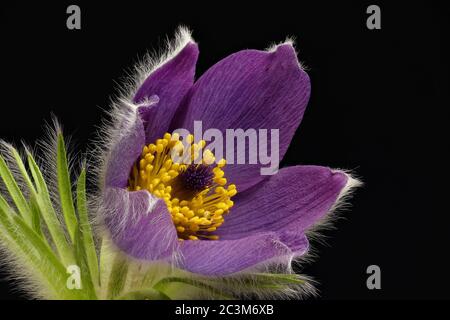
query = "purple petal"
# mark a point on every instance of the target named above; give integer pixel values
(223, 257)
(250, 89)
(289, 203)
(139, 224)
(128, 147)
(124, 153)
(170, 82)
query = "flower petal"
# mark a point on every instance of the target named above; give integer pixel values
(223, 257)
(139, 224)
(124, 153)
(128, 145)
(170, 82)
(250, 89)
(291, 201)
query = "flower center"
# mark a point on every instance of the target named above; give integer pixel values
(195, 191)
(197, 177)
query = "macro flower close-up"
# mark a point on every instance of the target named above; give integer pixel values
(223, 161)
(212, 218)
(181, 196)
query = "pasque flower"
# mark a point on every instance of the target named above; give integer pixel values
(212, 218)
(165, 227)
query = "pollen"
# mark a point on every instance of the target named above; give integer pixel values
(193, 186)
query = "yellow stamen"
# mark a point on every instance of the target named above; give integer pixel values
(195, 213)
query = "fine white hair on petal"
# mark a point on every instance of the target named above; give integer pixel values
(153, 61)
(146, 65)
(341, 204)
(289, 41)
(122, 113)
(274, 46)
(130, 216)
(315, 233)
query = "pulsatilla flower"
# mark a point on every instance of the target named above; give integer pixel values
(173, 218)
(209, 217)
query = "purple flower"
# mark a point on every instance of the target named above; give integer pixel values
(268, 218)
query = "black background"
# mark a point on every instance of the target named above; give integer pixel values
(378, 107)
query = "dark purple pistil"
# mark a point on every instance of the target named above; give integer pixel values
(197, 177)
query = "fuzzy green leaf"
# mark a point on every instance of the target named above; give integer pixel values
(80, 255)
(22, 169)
(49, 215)
(65, 189)
(86, 230)
(163, 285)
(34, 208)
(36, 216)
(268, 281)
(15, 192)
(38, 257)
(277, 278)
